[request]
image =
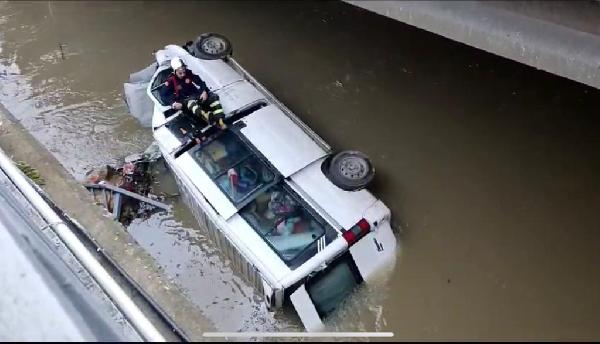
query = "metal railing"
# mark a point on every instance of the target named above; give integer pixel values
(138, 320)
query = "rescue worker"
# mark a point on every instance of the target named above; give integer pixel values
(183, 88)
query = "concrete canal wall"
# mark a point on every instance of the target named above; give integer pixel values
(72, 198)
(560, 37)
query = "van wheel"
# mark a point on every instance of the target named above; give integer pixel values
(212, 46)
(350, 170)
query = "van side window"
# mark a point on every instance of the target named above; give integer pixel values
(286, 224)
(233, 167)
(221, 154)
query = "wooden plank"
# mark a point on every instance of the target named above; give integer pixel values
(106, 186)
(118, 202)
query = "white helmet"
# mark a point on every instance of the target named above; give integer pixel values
(176, 63)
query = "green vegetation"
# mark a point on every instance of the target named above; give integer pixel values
(30, 172)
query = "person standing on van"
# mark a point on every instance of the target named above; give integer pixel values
(184, 88)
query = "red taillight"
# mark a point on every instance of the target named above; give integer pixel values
(350, 237)
(364, 225)
(356, 232)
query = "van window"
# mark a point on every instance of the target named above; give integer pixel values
(287, 225)
(244, 178)
(330, 287)
(234, 168)
(221, 154)
(161, 77)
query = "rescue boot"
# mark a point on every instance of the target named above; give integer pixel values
(217, 111)
(222, 124)
(218, 120)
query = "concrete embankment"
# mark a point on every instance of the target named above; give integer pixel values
(117, 245)
(560, 37)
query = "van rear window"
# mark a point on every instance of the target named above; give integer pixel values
(329, 288)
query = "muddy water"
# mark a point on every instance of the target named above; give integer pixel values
(490, 167)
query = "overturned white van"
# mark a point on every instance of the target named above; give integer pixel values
(264, 190)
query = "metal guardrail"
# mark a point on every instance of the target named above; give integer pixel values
(86, 258)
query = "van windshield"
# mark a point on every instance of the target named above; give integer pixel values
(293, 231)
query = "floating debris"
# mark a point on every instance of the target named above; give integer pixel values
(126, 191)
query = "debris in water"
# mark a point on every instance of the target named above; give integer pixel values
(62, 52)
(127, 191)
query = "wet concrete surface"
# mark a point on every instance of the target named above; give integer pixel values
(490, 167)
(40, 273)
(72, 198)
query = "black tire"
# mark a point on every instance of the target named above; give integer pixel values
(211, 46)
(349, 170)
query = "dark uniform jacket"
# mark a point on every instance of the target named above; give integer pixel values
(177, 90)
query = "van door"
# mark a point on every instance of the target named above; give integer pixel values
(306, 310)
(322, 294)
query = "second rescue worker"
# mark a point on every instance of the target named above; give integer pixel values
(184, 88)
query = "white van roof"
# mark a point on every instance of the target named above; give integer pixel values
(280, 140)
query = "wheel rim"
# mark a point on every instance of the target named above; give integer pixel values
(213, 45)
(354, 168)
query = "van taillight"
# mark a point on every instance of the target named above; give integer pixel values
(356, 232)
